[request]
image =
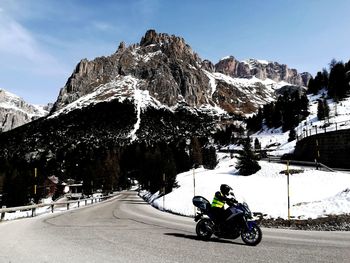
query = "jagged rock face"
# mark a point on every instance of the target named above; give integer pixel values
(15, 112)
(167, 66)
(11, 119)
(208, 65)
(306, 76)
(260, 69)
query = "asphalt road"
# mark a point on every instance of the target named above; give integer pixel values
(126, 229)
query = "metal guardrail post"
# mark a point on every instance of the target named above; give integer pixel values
(67, 206)
(78, 203)
(33, 211)
(3, 213)
(52, 208)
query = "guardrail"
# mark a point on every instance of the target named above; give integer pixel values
(317, 165)
(309, 130)
(51, 206)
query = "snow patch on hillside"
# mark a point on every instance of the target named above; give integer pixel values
(122, 88)
(252, 63)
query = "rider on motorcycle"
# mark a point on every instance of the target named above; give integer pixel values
(218, 203)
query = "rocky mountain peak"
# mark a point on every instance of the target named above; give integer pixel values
(14, 111)
(121, 47)
(162, 64)
(260, 69)
(153, 38)
(173, 46)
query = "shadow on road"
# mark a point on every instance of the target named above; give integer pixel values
(193, 237)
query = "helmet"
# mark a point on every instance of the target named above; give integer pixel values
(225, 189)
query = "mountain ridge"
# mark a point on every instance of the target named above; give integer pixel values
(172, 72)
(14, 111)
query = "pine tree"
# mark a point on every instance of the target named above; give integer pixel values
(168, 167)
(326, 108)
(254, 123)
(325, 78)
(277, 113)
(304, 105)
(247, 161)
(337, 81)
(320, 110)
(257, 145)
(196, 152)
(209, 157)
(332, 64)
(292, 135)
(267, 114)
(311, 87)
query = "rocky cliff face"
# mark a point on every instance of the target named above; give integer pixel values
(262, 70)
(166, 67)
(15, 112)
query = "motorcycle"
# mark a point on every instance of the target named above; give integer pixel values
(239, 222)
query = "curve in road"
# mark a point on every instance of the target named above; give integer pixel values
(126, 229)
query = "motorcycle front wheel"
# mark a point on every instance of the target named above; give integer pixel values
(252, 236)
(204, 229)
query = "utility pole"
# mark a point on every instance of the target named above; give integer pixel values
(163, 191)
(194, 182)
(288, 193)
(318, 154)
(35, 176)
(194, 188)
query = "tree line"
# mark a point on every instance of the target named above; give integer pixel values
(107, 168)
(336, 81)
(287, 112)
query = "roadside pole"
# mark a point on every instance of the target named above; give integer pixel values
(163, 191)
(318, 154)
(194, 189)
(288, 193)
(35, 176)
(194, 183)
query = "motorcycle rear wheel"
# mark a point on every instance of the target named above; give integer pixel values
(253, 236)
(204, 229)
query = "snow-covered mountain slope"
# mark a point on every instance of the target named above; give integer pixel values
(15, 112)
(121, 88)
(244, 95)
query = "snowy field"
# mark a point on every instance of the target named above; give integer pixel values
(313, 193)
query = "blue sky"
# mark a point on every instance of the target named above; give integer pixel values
(41, 41)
